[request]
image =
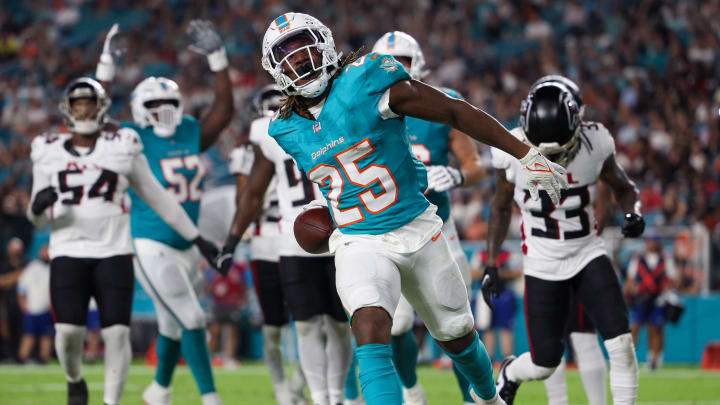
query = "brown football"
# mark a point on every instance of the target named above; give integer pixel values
(313, 228)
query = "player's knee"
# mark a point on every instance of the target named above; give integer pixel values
(371, 325)
(65, 332)
(542, 372)
(454, 327)
(116, 335)
(196, 320)
(271, 334)
(307, 327)
(621, 352)
(401, 324)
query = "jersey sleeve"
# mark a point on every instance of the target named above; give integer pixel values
(130, 142)
(380, 72)
(241, 160)
(600, 137)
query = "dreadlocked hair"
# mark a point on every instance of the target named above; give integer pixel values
(293, 103)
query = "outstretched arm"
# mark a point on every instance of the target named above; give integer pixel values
(207, 42)
(417, 99)
(627, 196)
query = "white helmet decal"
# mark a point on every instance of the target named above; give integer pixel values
(163, 118)
(398, 43)
(275, 61)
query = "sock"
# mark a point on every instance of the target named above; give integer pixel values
(591, 364)
(623, 369)
(117, 361)
(523, 369)
(313, 359)
(168, 354)
(339, 353)
(378, 378)
(556, 386)
(351, 386)
(197, 355)
(69, 348)
(405, 352)
(474, 362)
(272, 336)
(463, 383)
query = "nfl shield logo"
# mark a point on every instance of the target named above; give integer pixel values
(316, 127)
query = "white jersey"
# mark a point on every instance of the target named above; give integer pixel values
(34, 284)
(263, 244)
(558, 241)
(90, 217)
(294, 189)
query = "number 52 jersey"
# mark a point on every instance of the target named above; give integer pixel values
(558, 241)
(90, 217)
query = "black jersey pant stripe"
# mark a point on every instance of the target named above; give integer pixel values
(547, 308)
(110, 281)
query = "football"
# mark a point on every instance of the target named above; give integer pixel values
(313, 228)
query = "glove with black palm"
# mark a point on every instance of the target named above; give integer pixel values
(490, 286)
(225, 259)
(206, 41)
(633, 226)
(210, 252)
(43, 199)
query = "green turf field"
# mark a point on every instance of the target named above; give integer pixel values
(250, 384)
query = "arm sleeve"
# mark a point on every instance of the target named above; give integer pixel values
(160, 200)
(241, 160)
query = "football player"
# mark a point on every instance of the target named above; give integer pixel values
(343, 125)
(307, 281)
(431, 143)
(80, 187)
(264, 257)
(563, 253)
(165, 263)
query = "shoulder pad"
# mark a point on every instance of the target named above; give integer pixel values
(241, 160)
(375, 72)
(597, 136)
(42, 144)
(259, 129)
(128, 140)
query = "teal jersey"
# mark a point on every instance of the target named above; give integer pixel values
(360, 157)
(431, 145)
(175, 162)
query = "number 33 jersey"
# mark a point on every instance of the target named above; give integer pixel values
(90, 217)
(558, 241)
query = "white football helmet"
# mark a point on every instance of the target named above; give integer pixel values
(275, 59)
(85, 122)
(398, 43)
(163, 118)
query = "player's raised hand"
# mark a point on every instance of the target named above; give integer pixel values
(541, 171)
(490, 285)
(206, 41)
(633, 225)
(112, 52)
(43, 199)
(443, 178)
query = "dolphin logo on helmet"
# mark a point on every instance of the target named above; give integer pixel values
(398, 43)
(165, 117)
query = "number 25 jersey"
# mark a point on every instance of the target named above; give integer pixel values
(557, 241)
(90, 217)
(358, 151)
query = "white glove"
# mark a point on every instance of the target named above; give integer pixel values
(541, 171)
(206, 41)
(105, 70)
(443, 178)
(321, 203)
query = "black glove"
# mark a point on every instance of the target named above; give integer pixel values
(209, 251)
(490, 285)
(225, 258)
(43, 199)
(633, 226)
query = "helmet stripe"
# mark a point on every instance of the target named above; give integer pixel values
(391, 40)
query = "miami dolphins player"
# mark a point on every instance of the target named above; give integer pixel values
(431, 143)
(343, 125)
(165, 264)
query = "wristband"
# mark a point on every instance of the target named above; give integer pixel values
(218, 60)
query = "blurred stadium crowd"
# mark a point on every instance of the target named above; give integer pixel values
(648, 70)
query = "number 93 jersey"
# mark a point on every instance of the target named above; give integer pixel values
(175, 162)
(557, 241)
(358, 150)
(90, 217)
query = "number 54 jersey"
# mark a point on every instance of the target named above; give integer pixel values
(558, 241)
(90, 217)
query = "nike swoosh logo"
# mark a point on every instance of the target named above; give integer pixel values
(540, 164)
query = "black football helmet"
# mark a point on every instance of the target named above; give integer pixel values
(571, 85)
(550, 120)
(89, 121)
(267, 100)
